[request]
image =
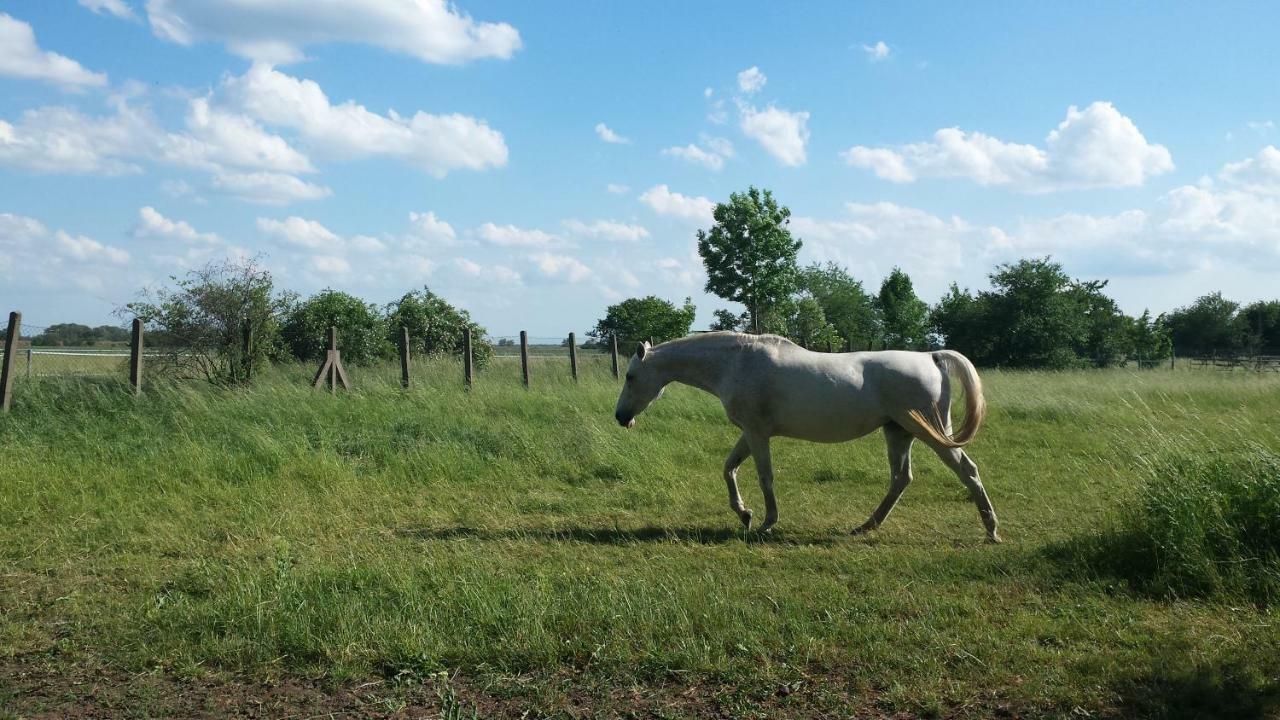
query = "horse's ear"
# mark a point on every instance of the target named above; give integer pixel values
(642, 349)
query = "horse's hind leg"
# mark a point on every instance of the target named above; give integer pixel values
(764, 470)
(739, 453)
(967, 470)
(898, 442)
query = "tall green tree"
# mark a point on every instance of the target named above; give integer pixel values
(904, 316)
(1035, 318)
(963, 321)
(849, 309)
(809, 327)
(362, 334)
(749, 254)
(1150, 338)
(1206, 326)
(1107, 338)
(1259, 326)
(638, 319)
(436, 328)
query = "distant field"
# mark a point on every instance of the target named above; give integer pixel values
(299, 553)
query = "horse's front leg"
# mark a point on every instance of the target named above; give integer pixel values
(731, 464)
(764, 469)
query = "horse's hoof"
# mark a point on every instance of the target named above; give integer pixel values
(745, 517)
(994, 538)
(863, 529)
(767, 527)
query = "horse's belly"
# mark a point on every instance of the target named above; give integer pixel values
(830, 426)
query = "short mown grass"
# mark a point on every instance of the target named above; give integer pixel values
(499, 533)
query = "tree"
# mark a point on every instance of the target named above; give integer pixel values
(749, 254)
(435, 327)
(728, 320)
(362, 334)
(904, 317)
(1034, 317)
(849, 309)
(1150, 339)
(201, 323)
(1259, 326)
(71, 334)
(808, 326)
(638, 319)
(1206, 326)
(964, 323)
(1108, 333)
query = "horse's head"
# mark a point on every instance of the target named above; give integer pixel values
(641, 387)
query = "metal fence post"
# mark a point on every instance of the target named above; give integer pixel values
(524, 356)
(29, 353)
(135, 356)
(6, 363)
(573, 357)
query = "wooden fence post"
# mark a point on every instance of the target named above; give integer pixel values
(1172, 354)
(524, 356)
(573, 357)
(613, 355)
(6, 363)
(331, 369)
(135, 357)
(466, 358)
(404, 357)
(246, 348)
(29, 354)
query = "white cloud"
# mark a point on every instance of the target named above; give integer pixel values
(19, 229)
(119, 8)
(302, 233)
(62, 140)
(610, 136)
(782, 133)
(617, 189)
(877, 52)
(662, 201)
(607, 230)
(218, 138)
(1259, 175)
(328, 265)
(21, 57)
(437, 144)
(512, 236)
(265, 188)
(366, 244)
(672, 270)
(151, 224)
(561, 266)
(279, 31)
(1094, 148)
(426, 230)
(751, 80)
(492, 273)
(86, 249)
(708, 159)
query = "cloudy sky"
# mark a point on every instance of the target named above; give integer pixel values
(535, 163)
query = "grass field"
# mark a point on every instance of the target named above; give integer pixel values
(289, 553)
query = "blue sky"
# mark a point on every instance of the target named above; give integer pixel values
(535, 163)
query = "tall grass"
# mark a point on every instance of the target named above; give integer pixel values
(273, 530)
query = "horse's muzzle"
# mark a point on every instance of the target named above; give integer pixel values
(626, 422)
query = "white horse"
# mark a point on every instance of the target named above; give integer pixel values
(770, 387)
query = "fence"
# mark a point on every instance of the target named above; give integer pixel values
(535, 357)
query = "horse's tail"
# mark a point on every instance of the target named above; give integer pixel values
(975, 404)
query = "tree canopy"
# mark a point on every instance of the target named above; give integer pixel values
(638, 319)
(749, 254)
(362, 334)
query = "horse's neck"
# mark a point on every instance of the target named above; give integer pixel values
(699, 367)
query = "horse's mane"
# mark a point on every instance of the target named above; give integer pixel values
(725, 338)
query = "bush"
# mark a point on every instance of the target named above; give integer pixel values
(1203, 526)
(436, 327)
(361, 328)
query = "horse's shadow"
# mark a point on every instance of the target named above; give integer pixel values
(690, 535)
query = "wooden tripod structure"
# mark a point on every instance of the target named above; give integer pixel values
(331, 369)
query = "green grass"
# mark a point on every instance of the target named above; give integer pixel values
(275, 532)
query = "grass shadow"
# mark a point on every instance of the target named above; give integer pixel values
(688, 534)
(1223, 689)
